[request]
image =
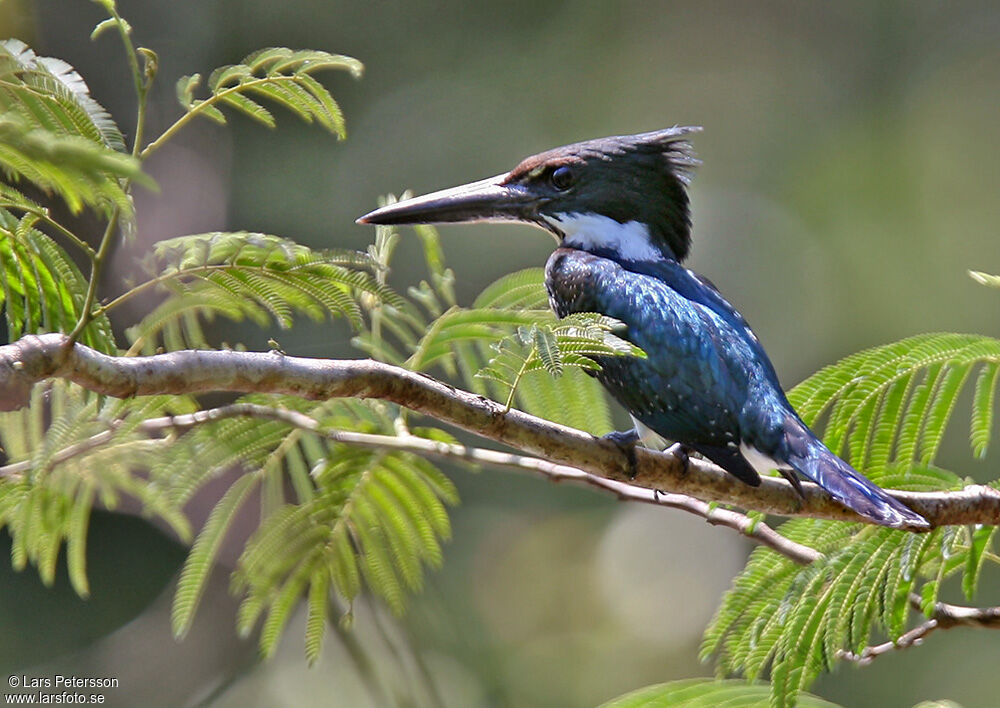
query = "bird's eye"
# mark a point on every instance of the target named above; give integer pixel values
(562, 178)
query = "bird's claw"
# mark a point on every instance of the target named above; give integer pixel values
(681, 453)
(626, 440)
(795, 482)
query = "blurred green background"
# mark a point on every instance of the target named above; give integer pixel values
(850, 179)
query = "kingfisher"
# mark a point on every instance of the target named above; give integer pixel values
(619, 211)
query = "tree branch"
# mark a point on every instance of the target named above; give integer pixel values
(34, 358)
(572, 455)
(945, 616)
(757, 531)
(912, 638)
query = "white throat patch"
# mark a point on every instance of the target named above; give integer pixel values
(587, 232)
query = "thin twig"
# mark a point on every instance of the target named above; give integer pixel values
(43, 214)
(142, 78)
(212, 100)
(96, 267)
(758, 531)
(163, 278)
(912, 638)
(944, 616)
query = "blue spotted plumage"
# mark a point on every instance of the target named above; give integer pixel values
(618, 208)
(693, 384)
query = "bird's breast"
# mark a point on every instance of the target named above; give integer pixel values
(693, 385)
(571, 279)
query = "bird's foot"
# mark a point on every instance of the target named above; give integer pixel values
(626, 440)
(623, 438)
(682, 453)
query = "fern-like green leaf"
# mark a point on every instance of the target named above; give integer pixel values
(76, 535)
(65, 451)
(575, 399)
(546, 347)
(523, 290)
(464, 341)
(250, 276)
(249, 107)
(352, 515)
(581, 340)
(319, 606)
(982, 408)
(892, 404)
(41, 288)
(199, 562)
(280, 75)
(80, 171)
(796, 619)
(981, 539)
(373, 515)
(50, 95)
(992, 281)
(457, 324)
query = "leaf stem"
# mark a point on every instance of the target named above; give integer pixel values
(146, 285)
(137, 76)
(43, 214)
(210, 101)
(143, 81)
(97, 264)
(517, 380)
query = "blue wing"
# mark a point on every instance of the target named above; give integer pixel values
(699, 290)
(706, 381)
(703, 362)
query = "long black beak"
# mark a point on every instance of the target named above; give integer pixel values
(486, 200)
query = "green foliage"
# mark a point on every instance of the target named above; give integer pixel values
(81, 171)
(48, 94)
(55, 135)
(355, 517)
(352, 515)
(282, 76)
(798, 619)
(383, 514)
(375, 516)
(705, 693)
(887, 408)
(505, 345)
(41, 288)
(249, 276)
(380, 516)
(891, 404)
(552, 346)
(992, 281)
(65, 452)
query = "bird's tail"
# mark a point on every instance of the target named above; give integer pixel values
(814, 460)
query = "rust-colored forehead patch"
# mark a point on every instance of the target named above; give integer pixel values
(536, 165)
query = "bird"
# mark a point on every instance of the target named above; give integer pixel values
(619, 211)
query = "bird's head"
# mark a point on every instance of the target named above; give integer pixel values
(624, 197)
